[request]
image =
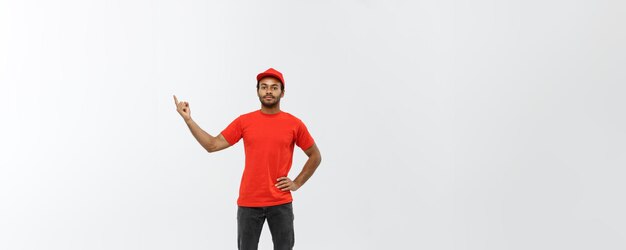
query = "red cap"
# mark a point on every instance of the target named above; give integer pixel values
(271, 72)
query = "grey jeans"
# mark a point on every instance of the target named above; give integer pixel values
(279, 219)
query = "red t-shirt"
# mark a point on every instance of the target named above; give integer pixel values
(268, 142)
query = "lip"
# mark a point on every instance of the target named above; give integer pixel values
(267, 97)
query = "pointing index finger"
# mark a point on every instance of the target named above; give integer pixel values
(175, 100)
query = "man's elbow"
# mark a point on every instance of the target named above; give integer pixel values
(217, 146)
(318, 158)
(211, 147)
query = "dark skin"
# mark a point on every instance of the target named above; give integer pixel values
(285, 184)
(270, 92)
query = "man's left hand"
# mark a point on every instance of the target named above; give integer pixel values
(284, 184)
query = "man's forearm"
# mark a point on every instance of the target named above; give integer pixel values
(307, 171)
(204, 138)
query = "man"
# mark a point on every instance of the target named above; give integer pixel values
(269, 135)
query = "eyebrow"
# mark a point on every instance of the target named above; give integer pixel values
(274, 84)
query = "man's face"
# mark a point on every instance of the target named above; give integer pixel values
(270, 91)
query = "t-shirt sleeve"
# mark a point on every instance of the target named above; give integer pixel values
(304, 140)
(233, 132)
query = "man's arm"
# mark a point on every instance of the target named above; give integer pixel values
(315, 158)
(208, 142)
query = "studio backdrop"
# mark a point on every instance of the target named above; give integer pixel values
(442, 124)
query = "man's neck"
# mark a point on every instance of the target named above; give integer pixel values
(270, 111)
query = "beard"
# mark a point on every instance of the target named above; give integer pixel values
(269, 103)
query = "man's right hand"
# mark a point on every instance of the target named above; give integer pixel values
(183, 109)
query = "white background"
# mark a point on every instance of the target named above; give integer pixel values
(442, 124)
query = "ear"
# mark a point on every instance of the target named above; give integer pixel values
(282, 94)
